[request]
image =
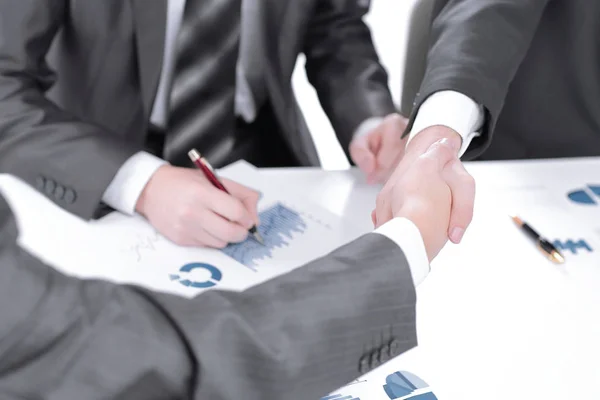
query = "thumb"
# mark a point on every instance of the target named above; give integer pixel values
(362, 155)
(442, 152)
(462, 188)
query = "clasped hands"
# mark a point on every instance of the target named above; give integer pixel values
(424, 180)
(426, 183)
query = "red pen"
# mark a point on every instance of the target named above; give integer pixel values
(210, 174)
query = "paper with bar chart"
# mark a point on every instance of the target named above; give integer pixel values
(294, 230)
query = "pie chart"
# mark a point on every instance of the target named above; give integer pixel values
(215, 275)
(406, 385)
(586, 196)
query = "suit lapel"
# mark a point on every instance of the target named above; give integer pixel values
(149, 23)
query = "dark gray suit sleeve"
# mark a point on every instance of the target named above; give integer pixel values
(37, 138)
(344, 68)
(476, 49)
(298, 336)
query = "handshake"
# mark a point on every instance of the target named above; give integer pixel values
(429, 186)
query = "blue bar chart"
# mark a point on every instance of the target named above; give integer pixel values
(278, 225)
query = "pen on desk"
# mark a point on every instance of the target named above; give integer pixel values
(543, 244)
(210, 174)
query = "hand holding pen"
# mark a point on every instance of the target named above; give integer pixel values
(186, 208)
(210, 174)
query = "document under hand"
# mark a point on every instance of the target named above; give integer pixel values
(294, 231)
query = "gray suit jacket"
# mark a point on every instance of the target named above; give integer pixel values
(67, 125)
(298, 336)
(533, 64)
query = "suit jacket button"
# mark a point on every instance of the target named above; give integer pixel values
(40, 183)
(375, 358)
(394, 348)
(70, 196)
(384, 354)
(59, 192)
(364, 364)
(49, 187)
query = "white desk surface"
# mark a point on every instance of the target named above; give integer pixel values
(495, 319)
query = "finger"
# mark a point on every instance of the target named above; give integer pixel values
(374, 217)
(462, 187)
(391, 146)
(222, 229)
(251, 204)
(249, 197)
(384, 172)
(205, 239)
(228, 206)
(196, 237)
(362, 155)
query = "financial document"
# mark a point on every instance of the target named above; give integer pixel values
(294, 230)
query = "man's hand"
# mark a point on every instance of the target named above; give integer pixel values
(378, 152)
(426, 193)
(462, 193)
(420, 142)
(187, 209)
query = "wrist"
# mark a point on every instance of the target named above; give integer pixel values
(142, 201)
(140, 205)
(418, 215)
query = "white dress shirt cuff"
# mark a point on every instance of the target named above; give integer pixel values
(407, 236)
(451, 109)
(367, 126)
(123, 192)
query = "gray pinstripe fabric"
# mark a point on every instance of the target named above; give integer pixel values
(298, 336)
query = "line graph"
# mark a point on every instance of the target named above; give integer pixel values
(277, 226)
(144, 244)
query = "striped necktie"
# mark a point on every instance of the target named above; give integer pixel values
(202, 111)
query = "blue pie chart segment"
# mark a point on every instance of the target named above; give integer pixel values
(581, 197)
(595, 189)
(423, 396)
(403, 383)
(215, 275)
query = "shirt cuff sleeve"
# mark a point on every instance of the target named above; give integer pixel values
(123, 192)
(367, 126)
(407, 236)
(451, 109)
